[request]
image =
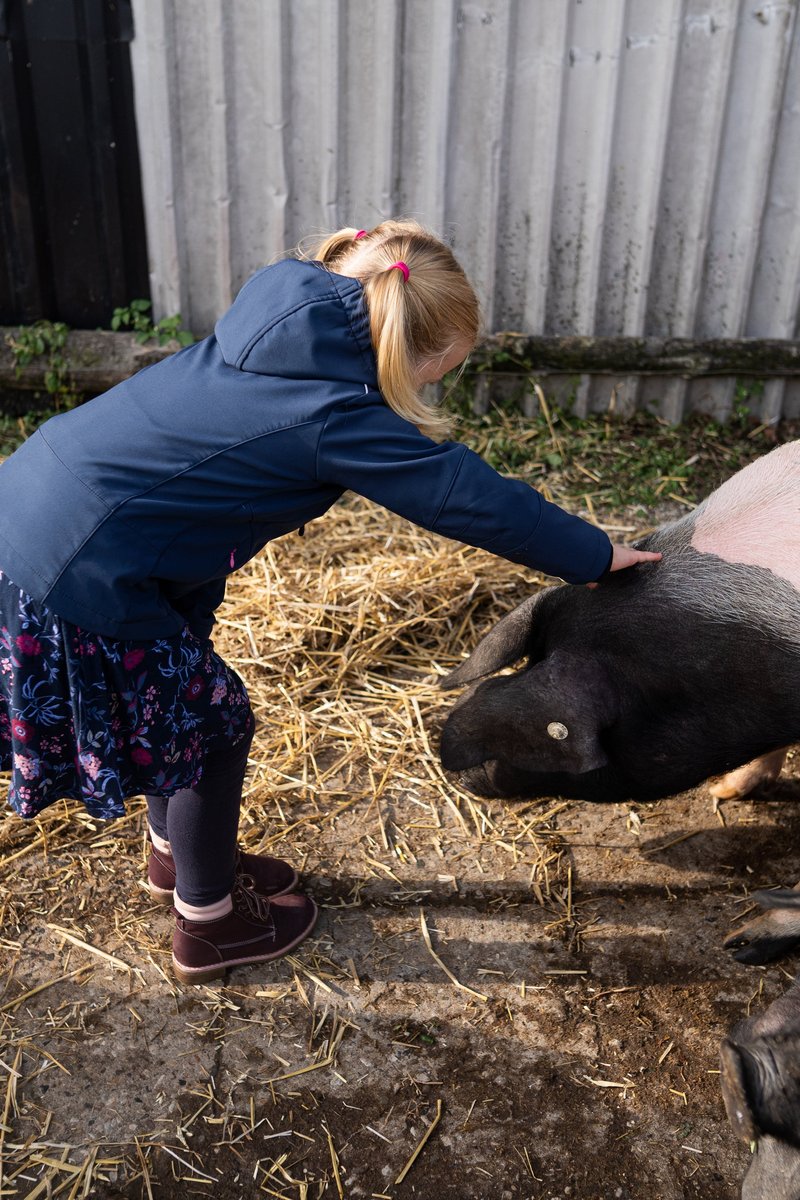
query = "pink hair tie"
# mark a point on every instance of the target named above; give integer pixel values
(401, 266)
(361, 233)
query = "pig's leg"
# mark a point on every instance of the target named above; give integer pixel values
(744, 779)
(773, 932)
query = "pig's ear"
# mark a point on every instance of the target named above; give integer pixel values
(503, 645)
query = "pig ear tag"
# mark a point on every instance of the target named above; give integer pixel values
(558, 731)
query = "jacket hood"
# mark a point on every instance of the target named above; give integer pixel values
(298, 320)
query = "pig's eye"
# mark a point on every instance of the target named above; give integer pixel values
(557, 730)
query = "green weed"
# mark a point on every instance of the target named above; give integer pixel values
(136, 318)
(45, 339)
(604, 462)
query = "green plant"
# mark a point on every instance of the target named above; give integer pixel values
(48, 339)
(44, 338)
(136, 317)
(747, 398)
(604, 463)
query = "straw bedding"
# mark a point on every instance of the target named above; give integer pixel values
(341, 635)
(440, 911)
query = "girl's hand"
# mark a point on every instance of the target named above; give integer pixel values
(626, 556)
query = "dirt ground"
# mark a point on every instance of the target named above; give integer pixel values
(499, 1002)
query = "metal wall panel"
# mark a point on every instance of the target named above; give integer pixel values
(607, 167)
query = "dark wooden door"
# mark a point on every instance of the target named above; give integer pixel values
(72, 236)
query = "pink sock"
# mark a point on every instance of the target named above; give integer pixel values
(205, 912)
(159, 842)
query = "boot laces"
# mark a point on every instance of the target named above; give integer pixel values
(251, 903)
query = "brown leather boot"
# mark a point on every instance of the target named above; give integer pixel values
(267, 876)
(257, 930)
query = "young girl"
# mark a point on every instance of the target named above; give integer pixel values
(121, 520)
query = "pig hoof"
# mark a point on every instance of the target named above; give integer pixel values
(734, 1092)
(754, 952)
(738, 784)
(768, 936)
(723, 789)
(741, 782)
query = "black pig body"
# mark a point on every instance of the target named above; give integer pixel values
(663, 675)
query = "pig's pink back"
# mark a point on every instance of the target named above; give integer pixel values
(754, 517)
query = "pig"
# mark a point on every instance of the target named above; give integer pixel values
(662, 676)
(760, 1078)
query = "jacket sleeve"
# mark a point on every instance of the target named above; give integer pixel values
(446, 488)
(198, 605)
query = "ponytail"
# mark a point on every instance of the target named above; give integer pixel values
(335, 246)
(420, 304)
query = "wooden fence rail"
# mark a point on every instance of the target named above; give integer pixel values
(96, 360)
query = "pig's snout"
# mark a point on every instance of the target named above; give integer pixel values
(761, 1087)
(460, 750)
(479, 780)
(774, 1172)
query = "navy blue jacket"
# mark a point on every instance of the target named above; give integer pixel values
(125, 515)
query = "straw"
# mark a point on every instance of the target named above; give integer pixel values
(341, 636)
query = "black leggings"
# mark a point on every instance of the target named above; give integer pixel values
(201, 826)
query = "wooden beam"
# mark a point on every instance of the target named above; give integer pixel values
(99, 359)
(512, 353)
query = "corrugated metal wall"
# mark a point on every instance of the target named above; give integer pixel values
(616, 167)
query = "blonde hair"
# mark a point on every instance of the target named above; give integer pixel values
(412, 320)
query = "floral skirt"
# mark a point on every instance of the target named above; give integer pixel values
(91, 718)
